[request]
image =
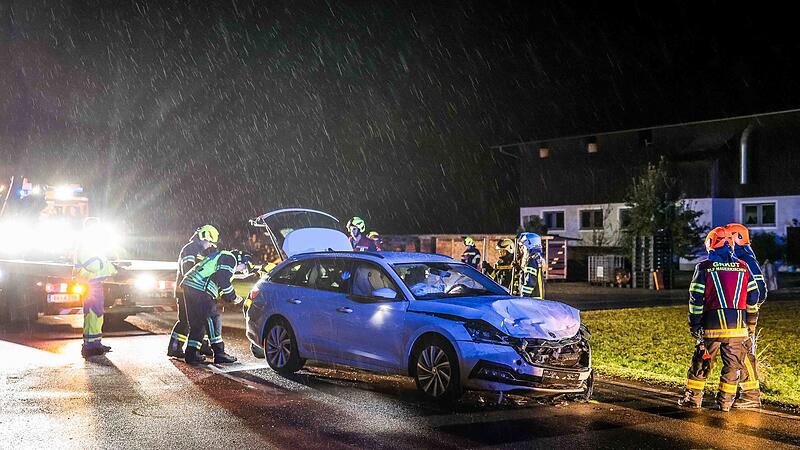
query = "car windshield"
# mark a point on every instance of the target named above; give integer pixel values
(443, 280)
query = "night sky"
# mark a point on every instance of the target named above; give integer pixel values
(178, 113)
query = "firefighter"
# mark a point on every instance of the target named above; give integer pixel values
(503, 270)
(360, 242)
(750, 394)
(533, 266)
(93, 267)
(723, 307)
(377, 239)
(471, 255)
(202, 243)
(207, 280)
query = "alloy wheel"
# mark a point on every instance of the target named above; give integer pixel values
(278, 346)
(434, 371)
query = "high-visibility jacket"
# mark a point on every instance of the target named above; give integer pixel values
(191, 253)
(746, 254)
(472, 257)
(502, 272)
(213, 276)
(723, 299)
(532, 277)
(92, 265)
(363, 243)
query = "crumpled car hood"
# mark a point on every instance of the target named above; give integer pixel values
(515, 316)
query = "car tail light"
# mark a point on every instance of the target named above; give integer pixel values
(253, 294)
(78, 288)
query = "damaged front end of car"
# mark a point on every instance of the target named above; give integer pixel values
(542, 366)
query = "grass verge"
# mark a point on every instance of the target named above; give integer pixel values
(653, 344)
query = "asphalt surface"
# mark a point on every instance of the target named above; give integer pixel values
(135, 397)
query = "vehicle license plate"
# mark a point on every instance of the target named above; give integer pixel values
(555, 377)
(63, 298)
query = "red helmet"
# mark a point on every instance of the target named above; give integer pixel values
(717, 238)
(740, 233)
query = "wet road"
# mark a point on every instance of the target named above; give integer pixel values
(137, 398)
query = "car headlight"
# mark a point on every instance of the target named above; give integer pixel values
(481, 331)
(145, 282)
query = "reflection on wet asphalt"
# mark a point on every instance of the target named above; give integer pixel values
(136, 397)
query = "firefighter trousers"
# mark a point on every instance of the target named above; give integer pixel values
(733, 353)
(748, 379)
(180, 331)
(93, 309)
(203, 317)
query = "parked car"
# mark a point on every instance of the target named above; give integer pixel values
(427, 316)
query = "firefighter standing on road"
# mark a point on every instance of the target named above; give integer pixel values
(503, 270)
(93, 267)
(207, 280)
(360, 241)
(471, 255)
(533, 266)
(750, 396)
(723, 305)
(203, 241)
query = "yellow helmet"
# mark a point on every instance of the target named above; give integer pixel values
(505, 244)
(468, 241)
(357, 222)
(208, 233)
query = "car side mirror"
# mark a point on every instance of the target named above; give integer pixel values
(385, 293)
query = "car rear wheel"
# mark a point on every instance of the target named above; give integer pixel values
(280, 348)
(436, 369)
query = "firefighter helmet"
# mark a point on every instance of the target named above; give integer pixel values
(505, 244)
(373, 235)
(531, 241)
(740, 234)
(357, 222)
(717, 238)
(468, 241)
(208, 233)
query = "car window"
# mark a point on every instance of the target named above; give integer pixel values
(296, 273)
(369, 277)
(438, 280)
(331, 274)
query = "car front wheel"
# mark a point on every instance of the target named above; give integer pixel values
(436, 370)
(280, 348)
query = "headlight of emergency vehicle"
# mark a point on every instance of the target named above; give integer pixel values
(145, 282)
(481, 331)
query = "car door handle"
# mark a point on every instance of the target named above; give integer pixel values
(294, 301)
(344, 309)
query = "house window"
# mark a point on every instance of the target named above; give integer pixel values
(591, 219)
(759, 214)
(553, 219)
(624, 217)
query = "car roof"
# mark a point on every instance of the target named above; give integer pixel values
(387, 257)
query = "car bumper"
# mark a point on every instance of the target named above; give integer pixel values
(500, 368)
(254, 322)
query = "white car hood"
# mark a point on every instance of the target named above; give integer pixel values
(515, 316)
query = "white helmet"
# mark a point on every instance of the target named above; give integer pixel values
(531, 241)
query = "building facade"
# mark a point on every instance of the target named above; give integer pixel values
(742, 169)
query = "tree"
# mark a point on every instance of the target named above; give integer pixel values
(657, 204)
(535, 225)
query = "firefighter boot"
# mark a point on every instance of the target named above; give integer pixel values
(87, 351)
(691, 399)
(747, 403)
(205, 349)
(105, 348)
(193, 357)
(175, 349)
(220, 357)
(724, 402)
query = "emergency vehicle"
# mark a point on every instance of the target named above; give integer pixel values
(39, 229)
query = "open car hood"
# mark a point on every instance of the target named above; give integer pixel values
(299, 230)
(514, 316)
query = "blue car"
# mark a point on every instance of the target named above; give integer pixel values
(427, 316)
